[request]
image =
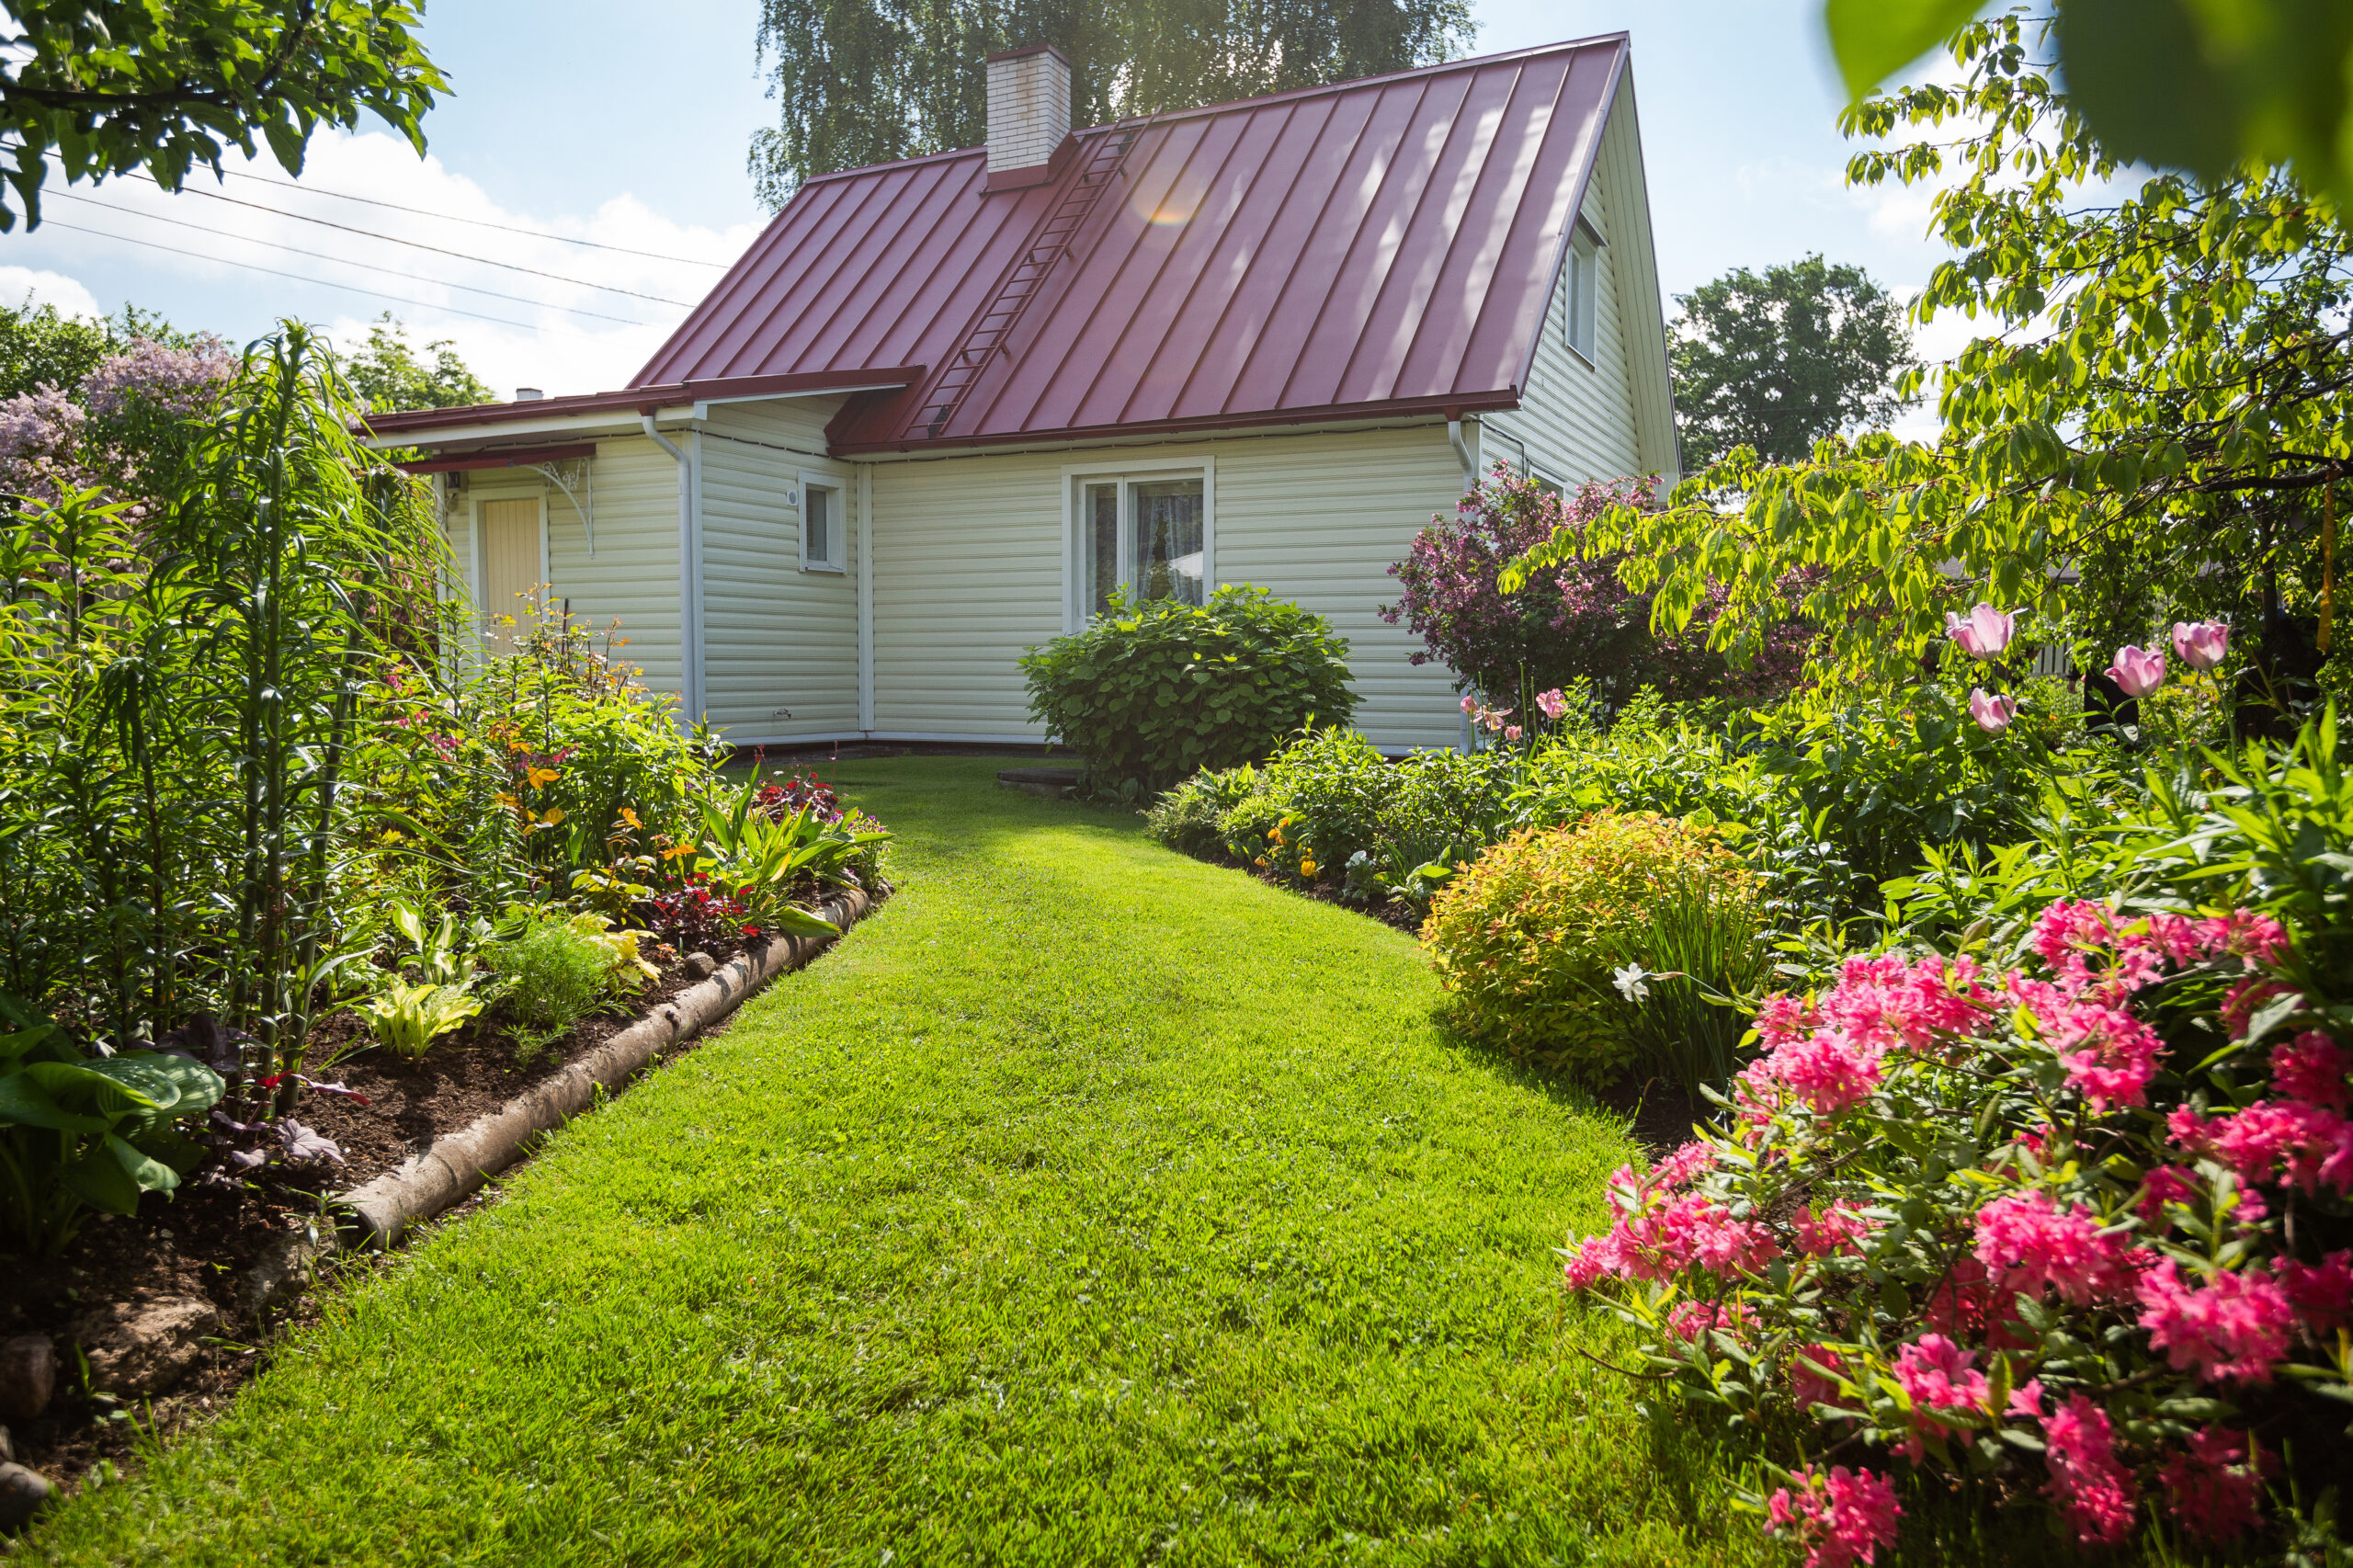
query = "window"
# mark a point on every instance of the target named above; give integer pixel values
(1585, 287)
(821, 524)
(1148, 534)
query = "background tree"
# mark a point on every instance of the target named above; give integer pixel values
(123, 86)
(41, 348)
(389, 375)
(861, 82)
(1780, 360)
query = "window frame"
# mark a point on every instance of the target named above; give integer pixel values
(1077, 606)
(1583, 289)
(834, 488)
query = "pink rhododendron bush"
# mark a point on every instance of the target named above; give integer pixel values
(2075, 1227)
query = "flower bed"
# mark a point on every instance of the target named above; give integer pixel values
(174, 1307)
(2072, 1224)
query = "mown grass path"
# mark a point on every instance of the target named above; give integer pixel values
(1086, 1205)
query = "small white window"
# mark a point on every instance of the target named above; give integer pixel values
(1149, 536)
(1585, 287)
(822, 524)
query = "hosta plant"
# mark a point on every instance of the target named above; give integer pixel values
(408, 1018)
(93, 1132)
(2076, 1225)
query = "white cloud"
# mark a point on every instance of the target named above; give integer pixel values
(564, 317)
(21, 286)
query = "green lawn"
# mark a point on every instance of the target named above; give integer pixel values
(1086, 1205)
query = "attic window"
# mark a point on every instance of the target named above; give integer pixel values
(1585, 288)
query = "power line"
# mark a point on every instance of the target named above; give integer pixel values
(477, 223)
(339, 261)
(438, 250)
(320, 282)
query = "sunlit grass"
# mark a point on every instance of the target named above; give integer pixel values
(1088, 1204)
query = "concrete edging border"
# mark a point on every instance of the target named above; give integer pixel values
(457, 1164)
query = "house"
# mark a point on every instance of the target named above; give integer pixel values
(940, 407)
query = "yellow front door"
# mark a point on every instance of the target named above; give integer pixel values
(510, 572)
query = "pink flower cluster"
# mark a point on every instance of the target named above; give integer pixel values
(1829, 1053)
(1839, 1516)
(2098, 963)
(2093, 1491)
(1771, 1236)
(1938, 1375)
(2212, 1487)
(2230, 1329)
(40, 423)
(2031, 1247)
(179, 381)
(1658, 1240)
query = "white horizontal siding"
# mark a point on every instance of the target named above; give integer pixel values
(1576, 420)
(969, 561)
(629, 588)
(777, 641)
(968, 557)
(1319, 521)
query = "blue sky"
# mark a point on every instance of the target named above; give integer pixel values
(629, 125)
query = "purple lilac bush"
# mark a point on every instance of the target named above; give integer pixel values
(1577, 622)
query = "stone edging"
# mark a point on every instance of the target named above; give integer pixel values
(457, 1164)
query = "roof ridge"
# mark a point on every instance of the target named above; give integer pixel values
(1169, 116)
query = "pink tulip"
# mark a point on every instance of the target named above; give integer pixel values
(1553, 704)
(2200, 644)
(2137, 671)
(1993, 713)
(1469, 702)
(1984, 634)
(1511, 732)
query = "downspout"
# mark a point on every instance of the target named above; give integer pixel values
(865, 597)
(689, 654)
(1461, 451)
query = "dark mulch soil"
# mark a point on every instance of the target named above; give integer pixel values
(201, 1241)
(1664, 1118)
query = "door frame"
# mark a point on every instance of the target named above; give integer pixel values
(475, 501)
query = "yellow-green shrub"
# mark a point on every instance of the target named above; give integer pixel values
(1525, 938)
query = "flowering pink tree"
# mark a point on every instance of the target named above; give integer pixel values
(1577, 620)
(2079, 1222)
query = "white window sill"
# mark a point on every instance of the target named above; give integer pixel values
(821, 566)
(1581, 356)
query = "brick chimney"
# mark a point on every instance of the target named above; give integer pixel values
(1028, 107)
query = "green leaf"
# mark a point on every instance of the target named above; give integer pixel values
(100, 1180)
(1873, 39)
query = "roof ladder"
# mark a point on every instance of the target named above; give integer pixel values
(992, 327)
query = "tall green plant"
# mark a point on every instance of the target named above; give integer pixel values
(304, 551)
(181, 684)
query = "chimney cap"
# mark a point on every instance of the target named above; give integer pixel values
(529, 394)
(1025, 48)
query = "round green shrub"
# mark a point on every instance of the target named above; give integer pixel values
(1186, 819)
(1526, 939)
(1155, 690)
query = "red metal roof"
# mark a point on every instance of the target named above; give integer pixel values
(1334, 252)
